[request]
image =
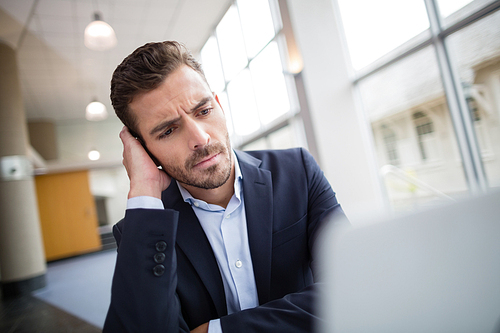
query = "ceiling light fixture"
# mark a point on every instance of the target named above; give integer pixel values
(99, 35)
(94, 155)
(96, 111)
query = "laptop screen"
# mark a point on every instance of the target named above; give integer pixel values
(434, 271)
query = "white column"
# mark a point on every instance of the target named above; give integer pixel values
(343, 136)
(22, 257)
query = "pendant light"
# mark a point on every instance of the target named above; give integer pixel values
(99, 35)
(96, 111)
(94, 155)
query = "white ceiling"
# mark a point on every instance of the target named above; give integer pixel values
(60, 76)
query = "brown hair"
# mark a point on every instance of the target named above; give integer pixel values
(144, 70)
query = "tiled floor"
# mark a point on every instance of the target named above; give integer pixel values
(81, 286)
(75, 299)
(28, 314)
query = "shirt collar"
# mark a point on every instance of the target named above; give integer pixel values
(187, 197)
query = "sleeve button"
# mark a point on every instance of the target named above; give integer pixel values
(158, 270)
(159, 257)
(161, 246)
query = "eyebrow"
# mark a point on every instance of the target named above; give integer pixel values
(201, 103)
(160, 127)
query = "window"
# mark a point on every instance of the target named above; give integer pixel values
(425, 134)
(477, 117)
(390, 143)
(245, 62)
(430, 70)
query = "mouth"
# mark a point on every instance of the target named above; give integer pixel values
(207, 162)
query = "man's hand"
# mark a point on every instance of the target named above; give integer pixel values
(201, 329)
(145, 177)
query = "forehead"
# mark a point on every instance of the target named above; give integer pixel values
(181, 89)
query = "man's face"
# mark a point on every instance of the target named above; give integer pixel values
(184, 127)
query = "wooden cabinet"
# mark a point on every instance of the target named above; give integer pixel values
(67, 214)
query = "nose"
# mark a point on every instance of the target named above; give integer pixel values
(197, 136)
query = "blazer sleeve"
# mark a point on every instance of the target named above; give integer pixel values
(145, 276)
(295, 312)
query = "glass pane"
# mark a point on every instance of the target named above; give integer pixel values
(373, 28)
(260, 144)
(454, 10)
(416, 149)
(269, 84)
(447, 7)
(242, 102)
(475, 51)
(283, 138)
(257, 24)
(232, 48)
(211, 65)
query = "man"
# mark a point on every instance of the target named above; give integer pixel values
(214, 239)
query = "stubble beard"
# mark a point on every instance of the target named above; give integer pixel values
(209, 178)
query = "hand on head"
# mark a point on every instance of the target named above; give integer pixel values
(145, 177)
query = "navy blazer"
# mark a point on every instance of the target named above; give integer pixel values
(166, 276)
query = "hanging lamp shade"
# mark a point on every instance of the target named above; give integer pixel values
(99, 35)
(96, 111)
(94, 155)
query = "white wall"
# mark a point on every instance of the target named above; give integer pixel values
(113, 184)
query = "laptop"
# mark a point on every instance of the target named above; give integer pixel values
(433, 271)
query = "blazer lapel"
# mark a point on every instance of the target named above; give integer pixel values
(257, 192)
(193, 242)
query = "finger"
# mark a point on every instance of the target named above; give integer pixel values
(125, 134)
(130, 143)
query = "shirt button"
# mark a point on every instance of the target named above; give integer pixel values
(196, 204)
(238, 263)
(228, 216)
(161, 246)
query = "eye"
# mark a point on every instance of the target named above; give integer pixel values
(166, 133)
(205, 112)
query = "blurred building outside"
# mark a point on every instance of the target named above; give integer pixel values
(416, 147)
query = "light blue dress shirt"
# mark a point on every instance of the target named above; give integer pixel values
(226, 230)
